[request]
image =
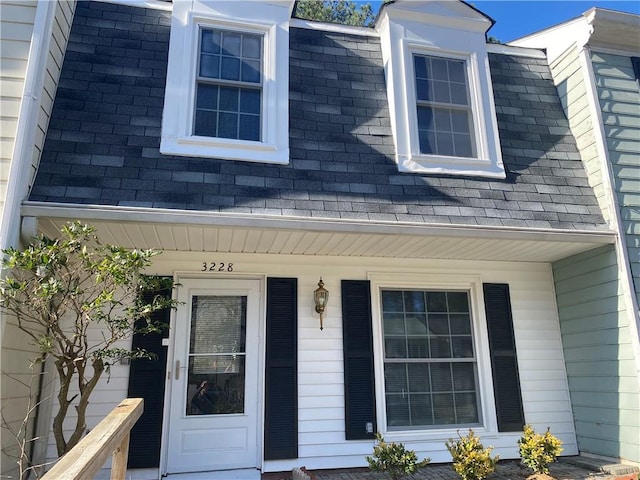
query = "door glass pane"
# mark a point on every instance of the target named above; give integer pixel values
(217, 349)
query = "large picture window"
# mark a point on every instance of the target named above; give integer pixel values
(430, 377)
(445, 125)
(229, 85)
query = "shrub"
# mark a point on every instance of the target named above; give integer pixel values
(394, 459)
(538, 451)
(470, 459)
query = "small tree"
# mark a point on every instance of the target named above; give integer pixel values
(394, 459)
(538, 451)
(60, 289)
(346, 12)
(470, 459)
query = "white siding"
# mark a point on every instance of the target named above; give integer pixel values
(321, 374)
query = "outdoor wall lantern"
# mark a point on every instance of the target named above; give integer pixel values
(320, 298)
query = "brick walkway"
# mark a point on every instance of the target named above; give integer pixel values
(566, 469)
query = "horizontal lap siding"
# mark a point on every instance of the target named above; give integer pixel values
(321, 414)
(619, 95)
(605, 394)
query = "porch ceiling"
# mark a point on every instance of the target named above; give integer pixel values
(204, 232)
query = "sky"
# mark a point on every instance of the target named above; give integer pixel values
(517, 18)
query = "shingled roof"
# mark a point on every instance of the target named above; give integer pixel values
(102, 146)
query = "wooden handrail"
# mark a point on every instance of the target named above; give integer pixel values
(110, 436)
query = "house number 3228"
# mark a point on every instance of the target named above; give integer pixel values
(217, 267)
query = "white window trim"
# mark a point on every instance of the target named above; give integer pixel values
(398, 46)
(177, 125)
(434, 281)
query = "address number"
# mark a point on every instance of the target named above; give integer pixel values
(217, 267)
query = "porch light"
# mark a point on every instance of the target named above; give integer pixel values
(320, 298)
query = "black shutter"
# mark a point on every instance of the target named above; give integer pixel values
(635, 62)
(146, 380)
(281, 373)
(504, 363)
(359, 387)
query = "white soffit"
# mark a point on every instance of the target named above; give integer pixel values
(325, 238)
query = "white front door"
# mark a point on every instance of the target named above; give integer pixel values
(214, 394)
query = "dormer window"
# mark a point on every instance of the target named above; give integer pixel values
(229, 85)
(228, 81)
(439, 88)
(445, 122)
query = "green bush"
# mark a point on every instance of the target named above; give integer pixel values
(394, 459)
(470, 459)
(538, 451)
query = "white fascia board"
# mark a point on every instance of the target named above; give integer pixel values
(513, 51)
(556, 40)
(152, 4)
(333, 27)
(192, 217)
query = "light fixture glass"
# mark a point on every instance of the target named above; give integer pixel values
(320, 298)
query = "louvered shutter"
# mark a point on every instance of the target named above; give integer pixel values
(281, 374)
(504, 363)
(359, 384)
(147, 380)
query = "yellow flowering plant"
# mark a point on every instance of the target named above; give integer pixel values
(470, 459)
(537, 450)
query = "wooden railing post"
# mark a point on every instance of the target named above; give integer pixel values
(109, 437)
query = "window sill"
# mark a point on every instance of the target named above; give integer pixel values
(440, 435)
(225, 149)
(443, 165)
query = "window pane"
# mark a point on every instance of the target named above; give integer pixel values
(436, 302)
(425, 117)
(441, 92)
(210, 41)
(392, 301)
(414, 301)
(229, 99)
(228, 125)
(462, 347)
(441, 377)
(250, 100)
(207, 97)
(460, 121)
(462, 144)
(418, 347)
(395, 347)
(420, 64)
(416, 324)
(231, 44)
(440, 347)
(215, 385)
(466, 408)
(418, 377)
(444, 141)
(394, 324)
(250, 71)
(395, 378)
(427, 141)
(463, 376)
(443, 409)
(218, 324)
(442, 120)
(249, 127)
(456, 71)
(230, 68)
(439, 324)
(459, 94)
(439, 69)
(422, 88)
(210, 66)
(460, 324)
(458, 301)
(397, 410)
(251, 46)
(421, 410)
(205, 124)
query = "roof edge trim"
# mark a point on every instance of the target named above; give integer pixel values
(182, 217)
(333, 27)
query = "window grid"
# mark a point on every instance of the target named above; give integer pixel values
(229, 85)
(445, 125)
(427, 391)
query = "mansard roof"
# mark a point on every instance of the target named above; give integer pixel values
(102, 146)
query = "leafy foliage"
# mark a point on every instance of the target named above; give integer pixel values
(345, 12)
(470, 459)
(538, 451)
(394, 459)
(77, 298)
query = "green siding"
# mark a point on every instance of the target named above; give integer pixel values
(604, 386)
(619, 96)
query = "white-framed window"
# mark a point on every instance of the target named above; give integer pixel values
(439, 88)
(444, 113)
(228, 100)
(228, 82)
(430, 378)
